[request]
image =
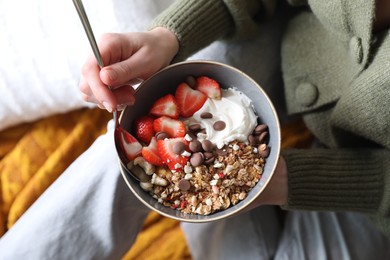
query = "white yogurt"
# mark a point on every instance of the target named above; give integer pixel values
(235, 109)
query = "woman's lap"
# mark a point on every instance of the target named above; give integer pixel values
(260, 234)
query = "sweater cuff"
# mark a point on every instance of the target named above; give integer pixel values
(195, 23)
(336, 180)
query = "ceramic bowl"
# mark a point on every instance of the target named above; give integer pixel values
(165, 81)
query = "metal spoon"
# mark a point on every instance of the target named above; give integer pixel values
(119, 133)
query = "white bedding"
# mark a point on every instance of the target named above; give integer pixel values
(43, 45)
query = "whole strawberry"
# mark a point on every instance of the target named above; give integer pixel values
(144, 130)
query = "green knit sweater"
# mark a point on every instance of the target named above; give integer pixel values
(337, 76)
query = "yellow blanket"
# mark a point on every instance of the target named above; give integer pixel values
(33, 155)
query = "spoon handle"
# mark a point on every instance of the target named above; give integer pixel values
(88, 30)
(87, 27)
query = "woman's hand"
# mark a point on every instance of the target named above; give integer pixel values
(128, 58)
(275, 193)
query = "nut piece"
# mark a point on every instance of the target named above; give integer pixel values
(140, 173)
(158, 180)
(148, 167)
(263, 150)
(147, 186)
(163, 172)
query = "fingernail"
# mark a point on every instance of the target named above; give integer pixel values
(107, 106)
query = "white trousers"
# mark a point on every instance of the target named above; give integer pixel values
(262, 234)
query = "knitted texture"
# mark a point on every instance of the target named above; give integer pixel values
(327, 179)
(196, 24)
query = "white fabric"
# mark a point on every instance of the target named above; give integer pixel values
(87, 213)
(43, 46)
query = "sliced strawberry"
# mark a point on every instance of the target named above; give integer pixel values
(165, 106)
(150, 153)
(144, 130)
(209, 87)
(130, 145)
(166, 150)
(189, 100)
(173, 127)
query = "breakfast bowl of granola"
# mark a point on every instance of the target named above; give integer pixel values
(203, 141)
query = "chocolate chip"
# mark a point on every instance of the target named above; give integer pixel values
(161, 135)
(192, 135)
(206, 115)
(178, 147)
(184, 185)
(261, 138)
(191, 81)
(207, 145)
(195, 127)
(209, 161)
(252, 140)
(222, 152)
(208, 155)
(196, 159)
(219, 125)
(260, 128)
(195, 146)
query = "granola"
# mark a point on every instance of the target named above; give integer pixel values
(206, 189)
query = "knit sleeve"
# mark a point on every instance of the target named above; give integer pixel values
(339, 180)
(198, 23)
